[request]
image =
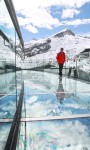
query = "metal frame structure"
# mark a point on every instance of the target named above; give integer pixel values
(12, 14)
(14, 130)
(4, 36)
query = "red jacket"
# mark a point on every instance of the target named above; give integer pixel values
(60, 57)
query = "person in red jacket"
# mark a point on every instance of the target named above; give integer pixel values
(60, 60)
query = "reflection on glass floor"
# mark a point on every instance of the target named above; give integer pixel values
(46, 95)
(8, 105)
(8, 92)
(68, 134)
(4, 131)
(47, 106)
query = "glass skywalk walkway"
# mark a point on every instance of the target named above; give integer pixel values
(38, 111)
(55, 114)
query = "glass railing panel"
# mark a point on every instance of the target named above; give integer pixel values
(66, 134)
(9, 100)
(10, 80)
(7, 40)
(10, 52)
(78, 67)
(10, 72)
(51, 82)
(4, 132)
(7, 54)
(7, 83)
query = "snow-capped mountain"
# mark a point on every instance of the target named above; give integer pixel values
(64, 32)
(7, 52)
(72, 44)
(43, 51)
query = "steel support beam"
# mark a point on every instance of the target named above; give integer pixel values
(13, 16)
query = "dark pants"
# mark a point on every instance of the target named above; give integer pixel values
(60, 69)
(75, 72)
(69, 73)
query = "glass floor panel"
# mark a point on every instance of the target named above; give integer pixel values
(46, 95)
(41, 105)
(67, 134)
(49, 98)
(8, 83)
(4, 132)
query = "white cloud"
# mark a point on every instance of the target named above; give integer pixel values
(34, 14)
(76, 22)
(23, 21)
(85, 34)
(73, 3)
(37, 14)
(6, 21)
(31, 28)
(69, 13)
(4, 16)
(26, 4)
(42, 20)
(80, 3)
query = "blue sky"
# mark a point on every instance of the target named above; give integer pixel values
(43, 18)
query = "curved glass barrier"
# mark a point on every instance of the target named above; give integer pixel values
(10, 66)
(4, 132)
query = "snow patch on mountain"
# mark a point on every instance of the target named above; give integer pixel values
(7, 54)
(43, 51)
(72, 44)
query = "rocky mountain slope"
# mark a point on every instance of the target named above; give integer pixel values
(72, 44)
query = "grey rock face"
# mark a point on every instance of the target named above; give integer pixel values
(61, 34)
(44, 46)
(37, 49)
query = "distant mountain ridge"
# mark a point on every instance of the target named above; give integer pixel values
(65, 32)
(72, 44)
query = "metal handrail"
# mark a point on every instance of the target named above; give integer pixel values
(13, 16)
